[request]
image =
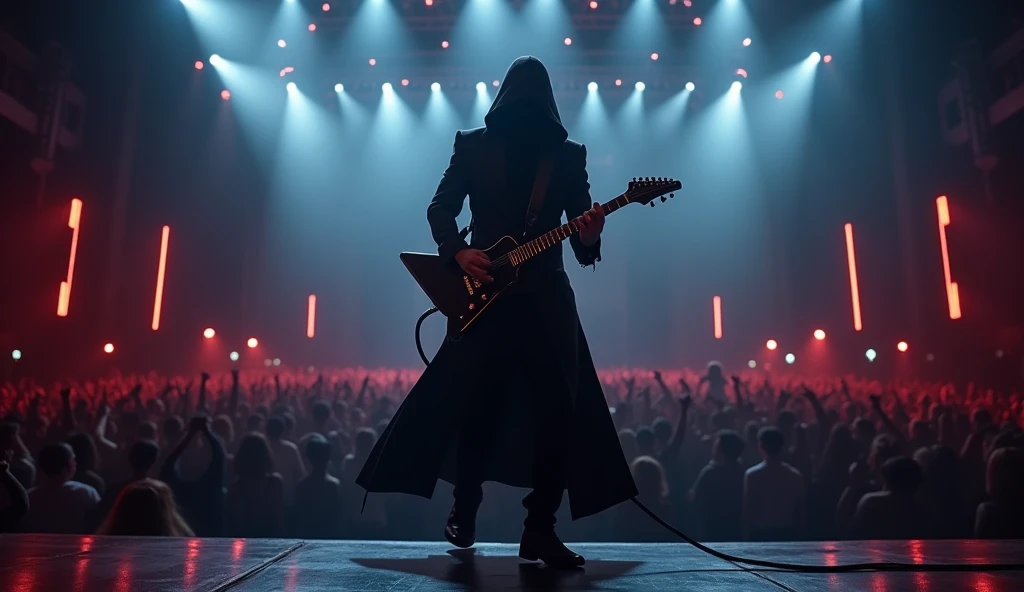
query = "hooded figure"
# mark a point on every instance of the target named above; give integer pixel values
(516, 399)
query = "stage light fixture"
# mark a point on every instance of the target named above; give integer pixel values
(74, 223)
(339, 88)
(716, 305)
(215, 60)
(282, 43)
(772, 345)
(640, 86)
(871, 355)
(233, 356)
(655, 56)
(108, 348)
(592, 87)
(267, 362)
(815, 57)
(593, 4)
(618, 82)
(428, 2)
(698, 21)
(209, 333)
(691, 86)
(481, 87)
(277, 361)
(435, 86)
(567, 41)
(779, 94)
(751, 364)
(495, 83)
(311, 27)
(372, 61)
(444, 45)
(747, 42)
(16, 355)
(225, 94)
(326, 7)
(386, 87)
(819, 335)
(291, 86)
(902, 346)
(199, 65)
(741, 72)
(828, 59)
(252, 343)
(737, 86)
(790, 358)
(405, 82)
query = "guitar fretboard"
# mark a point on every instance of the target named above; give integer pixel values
(528, 250)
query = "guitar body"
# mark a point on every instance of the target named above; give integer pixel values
(459, 296)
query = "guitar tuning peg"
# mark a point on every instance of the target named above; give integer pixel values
(652, 204)
(663, 199)
(671, 194)
(634, 179)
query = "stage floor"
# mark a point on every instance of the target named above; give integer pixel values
(40, 563)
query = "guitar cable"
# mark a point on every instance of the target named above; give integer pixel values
(883, 566)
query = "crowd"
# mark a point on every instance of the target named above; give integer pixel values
(726, 458)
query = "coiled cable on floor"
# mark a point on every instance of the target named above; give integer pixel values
(850, 567)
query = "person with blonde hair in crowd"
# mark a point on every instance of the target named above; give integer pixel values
(145, 508)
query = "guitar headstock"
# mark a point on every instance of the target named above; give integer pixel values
(647, 189)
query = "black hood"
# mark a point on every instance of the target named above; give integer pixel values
(525, 103)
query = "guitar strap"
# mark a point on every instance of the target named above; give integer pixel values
(540, 190)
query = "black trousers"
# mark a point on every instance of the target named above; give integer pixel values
(519, 344)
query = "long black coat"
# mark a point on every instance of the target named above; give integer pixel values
(495, 166)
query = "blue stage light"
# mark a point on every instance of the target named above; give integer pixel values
(640, 86)
(592, 87)
(436, 86)
(338, 88)
(291, 87)
(690, 86)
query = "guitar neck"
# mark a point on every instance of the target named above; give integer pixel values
(531, 249)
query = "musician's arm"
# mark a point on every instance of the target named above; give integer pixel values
(578, 201)
(447, 203)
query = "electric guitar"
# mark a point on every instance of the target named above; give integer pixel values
(462, 298)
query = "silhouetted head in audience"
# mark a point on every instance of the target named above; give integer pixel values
(1011, 437)
(662, 429)
(860, 475)
(147, 431)
(275, 428)
(649, 477)
(714, 373)
(883, 447)
(770, 441)
(223, 427)
(145, 508)
(173, 428)
(728, 447)
(981, 418)
(623, 414)
(56, 464)
(253, 459)
(85, 452)
(129, 426)
(319, 451)
(365, 439)
(142, 456)
(751, 432)
(627, 441)
(645, 441)
(864, 433)
(902, 476)
(841, 449)
(785, 423)
(254, 422)
(1004, 477)
(10, 439)
(321, 412)
(920, 433)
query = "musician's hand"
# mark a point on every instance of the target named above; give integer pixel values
(593, 224)
(475, 263)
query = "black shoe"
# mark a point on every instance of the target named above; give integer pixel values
(547, 547)
(460, 529)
